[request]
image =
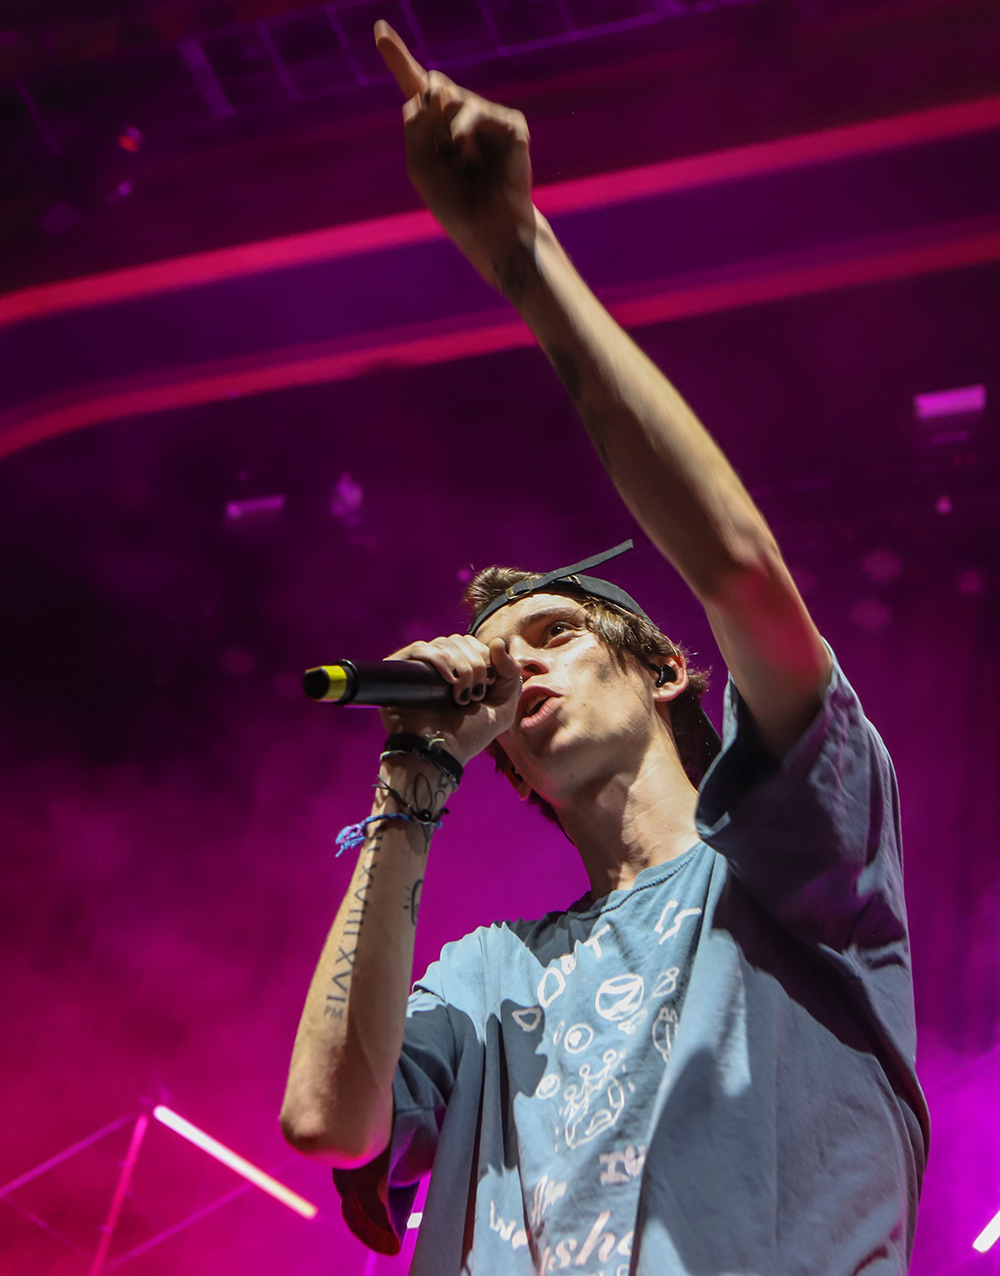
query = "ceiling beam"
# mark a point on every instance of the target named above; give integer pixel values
(601, 191)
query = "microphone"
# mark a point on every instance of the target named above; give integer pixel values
(377, 682)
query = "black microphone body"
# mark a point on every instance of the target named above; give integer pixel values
(377, 682)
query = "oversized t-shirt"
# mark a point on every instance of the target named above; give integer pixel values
(710, 1073)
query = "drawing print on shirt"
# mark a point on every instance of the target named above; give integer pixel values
(622, 1165)
(597, 1086)
(620, 1000)
(548, 1086)
(506, 1229)
(666, 982)
(528, 1018)
(553, 983)
(577, 1038)
(546, 1192)
(672, 931)
(665, 1030)
(594, 942)
(597, 1242)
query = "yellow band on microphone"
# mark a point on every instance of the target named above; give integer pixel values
(338, 680)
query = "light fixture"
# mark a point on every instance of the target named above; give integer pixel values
(235, 1162)
(987, 1238)
(967, 398)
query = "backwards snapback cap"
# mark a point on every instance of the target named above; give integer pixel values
(704, 743)
(567, 578)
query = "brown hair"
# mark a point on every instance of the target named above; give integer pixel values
(624, 634)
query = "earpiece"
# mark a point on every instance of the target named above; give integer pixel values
(667, 673)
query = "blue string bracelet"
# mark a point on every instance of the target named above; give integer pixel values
(351, 837)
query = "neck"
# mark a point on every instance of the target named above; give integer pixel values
(625, 821)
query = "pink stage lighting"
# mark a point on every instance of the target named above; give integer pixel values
(254, 507)
(221, 1153)
(967, 398)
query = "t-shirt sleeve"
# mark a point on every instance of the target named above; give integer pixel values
(377, 1198)
(816, 840)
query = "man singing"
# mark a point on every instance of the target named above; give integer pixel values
(705, 1065)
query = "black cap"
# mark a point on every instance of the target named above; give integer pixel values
(705, 745)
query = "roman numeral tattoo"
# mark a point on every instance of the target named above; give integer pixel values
(336, 998)
(425, 793)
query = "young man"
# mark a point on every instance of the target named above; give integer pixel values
(706, 1064)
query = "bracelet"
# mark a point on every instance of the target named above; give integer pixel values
(422, 815)
(353, 835)
(430, 750)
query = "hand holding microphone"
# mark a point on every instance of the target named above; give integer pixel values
(456, 686)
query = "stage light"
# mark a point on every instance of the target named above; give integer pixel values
(967, 398)
(347, 500)
(881, 565)
(871, 615)
(414, 1220)
(987, 1238)
(257, 507)
(235, 1162)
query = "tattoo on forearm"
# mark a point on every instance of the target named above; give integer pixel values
(343, 966)
(516, 273)
(568, 372)
(430, 796)
(412, 905)
(425, 793)
(593, 419)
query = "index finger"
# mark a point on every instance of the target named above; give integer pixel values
(410, 75)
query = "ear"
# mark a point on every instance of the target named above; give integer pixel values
(520, 785)
(666, 688)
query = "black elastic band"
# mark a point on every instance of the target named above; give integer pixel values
(428, 750)
(561, 573)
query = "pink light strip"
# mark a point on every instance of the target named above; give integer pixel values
(463, 337)
(989, 1236)
(256, 505)
(121, 1188)
(235, 1162)
(600, 191)
(65, 1154)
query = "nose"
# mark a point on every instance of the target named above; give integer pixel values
(530, 659)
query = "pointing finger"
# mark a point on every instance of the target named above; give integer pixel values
(410, 75)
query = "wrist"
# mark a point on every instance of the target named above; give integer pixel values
(402, 771)
(433, 748)
(418, 783)
(514, 267)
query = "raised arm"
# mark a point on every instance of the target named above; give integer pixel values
(469, 159)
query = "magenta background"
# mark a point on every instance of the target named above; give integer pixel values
(168, 800)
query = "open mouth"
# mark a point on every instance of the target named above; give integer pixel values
(537, 710)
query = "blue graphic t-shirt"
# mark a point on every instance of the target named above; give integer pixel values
(603, 1020)
(710, 1073)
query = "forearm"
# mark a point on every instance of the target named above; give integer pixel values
(680, 487)
(668, 469)
(338, 1101)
